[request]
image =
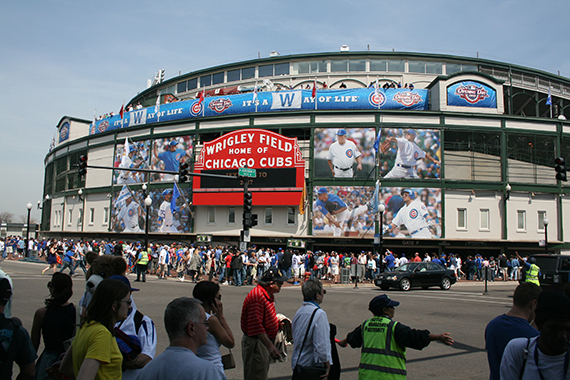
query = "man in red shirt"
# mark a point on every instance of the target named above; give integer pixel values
(260, 325)
(417, 258)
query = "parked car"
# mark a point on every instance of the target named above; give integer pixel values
(553, 270)
(412, 275)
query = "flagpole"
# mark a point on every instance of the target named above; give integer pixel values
(255, 96)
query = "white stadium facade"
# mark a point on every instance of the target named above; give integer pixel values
(486, 136)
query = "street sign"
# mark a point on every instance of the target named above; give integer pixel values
(245, 172)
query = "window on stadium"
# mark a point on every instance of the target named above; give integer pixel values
(541, 217)
(265, 71)
(231, 215)
(461, 219)
(211, 215)
(181, 87)
(247, 73)
(233, 75)
(309, 67)
(192, 84)
(484, 220)
(268, 219)
(218, 78)
(521, 220)
(531, 158)
(206, 80)
(291, 217)
(281, 69)
(424, 67)
(356, 65)
(378, 65)
(472, 155)
(396, 65)
(339, 65)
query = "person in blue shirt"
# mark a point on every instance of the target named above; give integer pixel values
(389, 261)
(171, 157)
(333, 209)
(68, 262)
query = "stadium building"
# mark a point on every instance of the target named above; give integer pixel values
(455, 154)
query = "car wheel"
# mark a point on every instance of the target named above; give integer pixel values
(383, 287)
(405, 284)
(445, 283)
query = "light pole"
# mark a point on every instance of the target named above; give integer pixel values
(381, 209)
(545, 223)
(147, 203)
(29, 207)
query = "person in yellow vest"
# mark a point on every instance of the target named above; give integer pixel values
(142, 264)
(531, 270)
(384, 342)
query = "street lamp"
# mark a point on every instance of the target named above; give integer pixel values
(147, 203)
(545, 223)
(29, 207)
(80, 193)
(508, 189)
(381, 209)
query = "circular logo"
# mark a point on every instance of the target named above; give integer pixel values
(131, 212)
(349, 153)
(196, 108)
(103, 126)
(413, 213)
(416, 155)
(377, 100)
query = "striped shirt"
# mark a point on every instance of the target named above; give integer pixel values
(258, 314)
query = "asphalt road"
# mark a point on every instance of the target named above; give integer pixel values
(462, 311)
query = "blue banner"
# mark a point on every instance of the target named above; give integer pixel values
(263, 102)
(64, 132)
(471, 94)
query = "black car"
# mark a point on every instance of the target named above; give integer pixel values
(412, 275)
(554, 270)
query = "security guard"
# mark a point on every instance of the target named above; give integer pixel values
(384, 342)
(531, 270)
(142, 264)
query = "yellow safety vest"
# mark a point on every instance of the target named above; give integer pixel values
(382, 357)
(143, 258)
(532, 274)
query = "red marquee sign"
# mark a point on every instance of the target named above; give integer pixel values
(277, 159)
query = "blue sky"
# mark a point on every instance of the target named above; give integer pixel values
(60, 57)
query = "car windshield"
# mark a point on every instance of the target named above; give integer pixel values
(406, 267)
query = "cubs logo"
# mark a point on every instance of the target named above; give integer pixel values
(220, 105)
(131, 212)
(196, 108)
(178, 157)
(103, 126)
(377, 100)
(471, 93)
(416, 156)
(407, 98)
(349, 153)
(414, 214)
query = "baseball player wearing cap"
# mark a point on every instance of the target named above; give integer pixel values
(129, 215)
(408, 155)
(335, 209)
(171, 158)
(384, 341)
(126, 176)
(165, 217)
(342, 155)
(413, 215)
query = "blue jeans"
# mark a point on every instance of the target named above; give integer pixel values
(67, 264)
(238, 277)
(222, 274)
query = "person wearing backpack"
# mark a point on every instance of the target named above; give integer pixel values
(15, 343)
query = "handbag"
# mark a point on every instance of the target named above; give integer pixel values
(228, 361)
(58, 259)
(308, 372)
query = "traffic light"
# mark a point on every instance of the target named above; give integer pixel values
(247, 207)
(253, 220)
(82, 166)
(560, 169)
(183, 172)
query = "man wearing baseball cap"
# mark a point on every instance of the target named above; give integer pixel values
(384, 341)
(260, 325)
(171, 158)
(165, 217)
(342, 154)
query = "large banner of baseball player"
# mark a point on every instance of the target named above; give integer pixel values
(351, 211)
(169, 211)
(410, 153)
(344, 153)
(132, 155)
(168, 154)
(278, 101)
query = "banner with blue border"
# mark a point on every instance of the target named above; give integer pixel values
(471, 94)
(266, 102)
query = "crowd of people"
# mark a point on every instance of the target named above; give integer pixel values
(106, 335)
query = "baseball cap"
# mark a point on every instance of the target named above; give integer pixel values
(341, 132)
(322, 190)
(272, 274)
(173, 143)
(411, 132)
(378, 304)
(167, 191)
(125, 280)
